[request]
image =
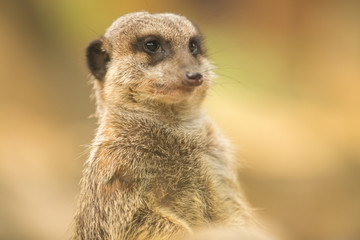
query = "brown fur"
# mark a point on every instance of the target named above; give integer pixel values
(158, 168)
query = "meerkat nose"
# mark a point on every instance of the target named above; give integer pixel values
(193, 79)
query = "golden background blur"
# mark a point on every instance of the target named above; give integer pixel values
(287, 95)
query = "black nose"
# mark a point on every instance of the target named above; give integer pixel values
(193, 79)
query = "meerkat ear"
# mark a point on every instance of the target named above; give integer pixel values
(97, 59)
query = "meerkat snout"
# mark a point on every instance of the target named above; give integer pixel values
(193, 79)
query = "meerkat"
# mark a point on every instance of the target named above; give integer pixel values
(158, 168)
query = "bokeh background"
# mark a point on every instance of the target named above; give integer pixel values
(287, 95)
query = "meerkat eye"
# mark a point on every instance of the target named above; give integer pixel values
(193, 47)
(151, 46)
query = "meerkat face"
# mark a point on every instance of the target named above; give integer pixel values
(150, 58)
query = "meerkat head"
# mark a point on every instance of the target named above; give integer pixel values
(146, 59)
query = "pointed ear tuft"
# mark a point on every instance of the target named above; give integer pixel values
(97, 59)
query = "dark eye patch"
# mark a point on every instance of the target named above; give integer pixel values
(195, 45)
(154, 46)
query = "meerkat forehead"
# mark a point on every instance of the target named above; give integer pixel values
(171, 27)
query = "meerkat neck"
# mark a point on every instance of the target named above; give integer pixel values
(123, 119)
(158, 112)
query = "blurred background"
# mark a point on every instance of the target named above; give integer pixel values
(287, 95)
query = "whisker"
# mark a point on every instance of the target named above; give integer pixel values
(234, 80)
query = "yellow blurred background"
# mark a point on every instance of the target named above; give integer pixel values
(287, 95)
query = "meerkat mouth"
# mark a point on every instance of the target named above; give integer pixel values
(166, 90)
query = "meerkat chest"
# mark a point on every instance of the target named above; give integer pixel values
(170, 155)
(178, 172)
